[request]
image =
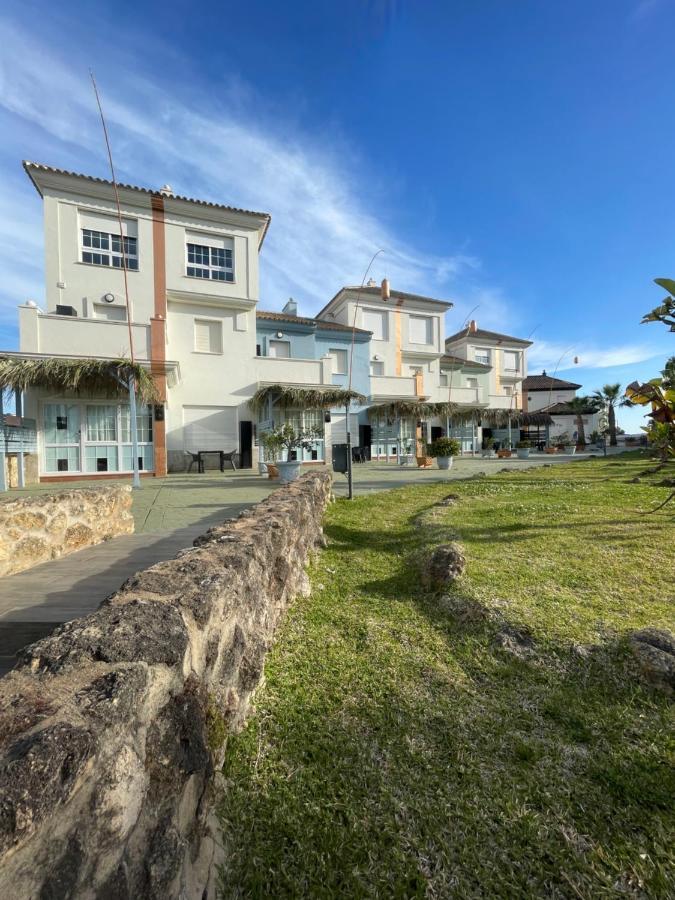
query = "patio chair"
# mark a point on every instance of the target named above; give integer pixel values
(193, 458)
(228, 458)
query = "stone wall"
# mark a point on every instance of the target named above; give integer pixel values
(112, 729)
(40, 527)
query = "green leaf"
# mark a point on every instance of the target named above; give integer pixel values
(667, 283)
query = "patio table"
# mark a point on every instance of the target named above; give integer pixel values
(224, 455)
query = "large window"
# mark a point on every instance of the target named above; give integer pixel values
(101, 248)
(420, 330)
(376, 321)
(208, 336)
(340, 361)
(482, 355)
(205, 261)
(95, 437)
(511, 361)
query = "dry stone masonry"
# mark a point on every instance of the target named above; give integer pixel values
(112, 729)
(40, 527)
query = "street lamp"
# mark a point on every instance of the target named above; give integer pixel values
(552, 379)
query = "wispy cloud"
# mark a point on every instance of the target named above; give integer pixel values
(644, 8)
(549, 355)
(326, 219)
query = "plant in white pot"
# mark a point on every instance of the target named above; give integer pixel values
(488, 448)
(443, 449)
(287, 437)
(407, 457)
(523, 449)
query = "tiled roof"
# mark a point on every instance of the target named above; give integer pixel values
(31, 167)
(546, 382)
(316, 323)
(375, 291)
(486, 335)
(449, 359)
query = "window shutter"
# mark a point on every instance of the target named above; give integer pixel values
(419, 329)
(373, 320)
(208, 337)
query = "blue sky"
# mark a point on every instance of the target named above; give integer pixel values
(516, 156)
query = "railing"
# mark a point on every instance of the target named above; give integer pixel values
(393, 385)
(467, 395)
(79, 336)
(283, 370)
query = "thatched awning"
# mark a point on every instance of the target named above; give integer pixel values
(404, 409)
(287, 397)
(76, 376)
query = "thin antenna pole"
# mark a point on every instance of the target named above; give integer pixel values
(136, 481)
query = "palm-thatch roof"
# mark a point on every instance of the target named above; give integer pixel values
(408, 409)
(288, 397)
(77, 376)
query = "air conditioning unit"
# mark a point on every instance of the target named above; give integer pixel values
(65, 310)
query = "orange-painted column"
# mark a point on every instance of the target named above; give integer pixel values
(399, 337)
(158, 328)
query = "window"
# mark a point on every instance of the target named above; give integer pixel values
(376, 367)
(419, 329)
(472, 382)
(102, 248)
(445, 379)
(340, 357)
(204, 261)
(376, 321)
(511, 361)
(482, 355)
(208, 336)
(508, 390)
(279, 349)
(110, 313)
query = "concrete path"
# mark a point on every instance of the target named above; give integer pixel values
(170, 513)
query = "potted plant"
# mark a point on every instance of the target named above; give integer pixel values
(442, 450)
(488, 447)
(271, 441)
(523, 449)
(505, 451)
(407, 456)
(287, 437)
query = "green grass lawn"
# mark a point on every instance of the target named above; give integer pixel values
(398, 751)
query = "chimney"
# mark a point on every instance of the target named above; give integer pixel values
(166, 191)
(371, 283)
(386, 294)
(473, 327)
(291, 308)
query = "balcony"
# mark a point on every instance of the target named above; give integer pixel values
(285, 370)
(467, 396)
(76, 336)
(396, 387)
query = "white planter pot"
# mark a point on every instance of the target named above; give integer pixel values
(523, 452)
(407, 459)
(288, 471)
(444, 462)
(262, 468)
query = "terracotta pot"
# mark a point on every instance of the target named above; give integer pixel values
(424, 462)
(550, 450)
(503, 454)
(272, 471)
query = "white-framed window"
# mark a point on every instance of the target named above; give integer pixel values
(420, 329)
(340, 358)
(279, 349)
(508, 389)
(95, 438)
(103, 248)
(445, 379)
(375, 320)
(208, 336)
(482, 355)
(511, 361)
(376, 367)
(472, 382)
(204, 260)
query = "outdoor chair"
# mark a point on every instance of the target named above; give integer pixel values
(228, 458)
(193, 458)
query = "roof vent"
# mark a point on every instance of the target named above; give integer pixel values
(291, 308)
(543, 371)
(371, 283)
(166, 191)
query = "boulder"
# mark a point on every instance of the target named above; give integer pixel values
(654, 649)
(443, 566)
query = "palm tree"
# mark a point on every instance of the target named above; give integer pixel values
(610, 398)
(582, 406)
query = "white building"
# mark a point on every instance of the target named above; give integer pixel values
(545, 393)
(192, 273)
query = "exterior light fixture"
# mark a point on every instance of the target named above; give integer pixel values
(326, 416)
(109, 298)
(280, 334)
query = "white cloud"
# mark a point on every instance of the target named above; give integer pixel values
(328, 217)
(546, 355)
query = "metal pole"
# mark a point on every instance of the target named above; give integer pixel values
(350, 485)
(136, 479)
(3, 479)
(18, 399)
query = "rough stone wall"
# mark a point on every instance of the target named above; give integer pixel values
(41, 527)
(112, 729)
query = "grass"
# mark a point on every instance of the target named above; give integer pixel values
(397, 751)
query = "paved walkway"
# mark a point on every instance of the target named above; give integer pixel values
(170, 513)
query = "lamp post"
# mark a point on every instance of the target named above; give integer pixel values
(552, 379)
(350, 483)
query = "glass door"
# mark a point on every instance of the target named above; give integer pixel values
(62, 432)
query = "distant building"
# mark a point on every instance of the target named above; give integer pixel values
(552, 395)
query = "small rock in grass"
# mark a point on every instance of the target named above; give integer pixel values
(463, 609)
(516, 641)
(654, 649)
(443, 566)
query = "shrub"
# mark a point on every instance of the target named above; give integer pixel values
(523, 445)
(443, 446)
